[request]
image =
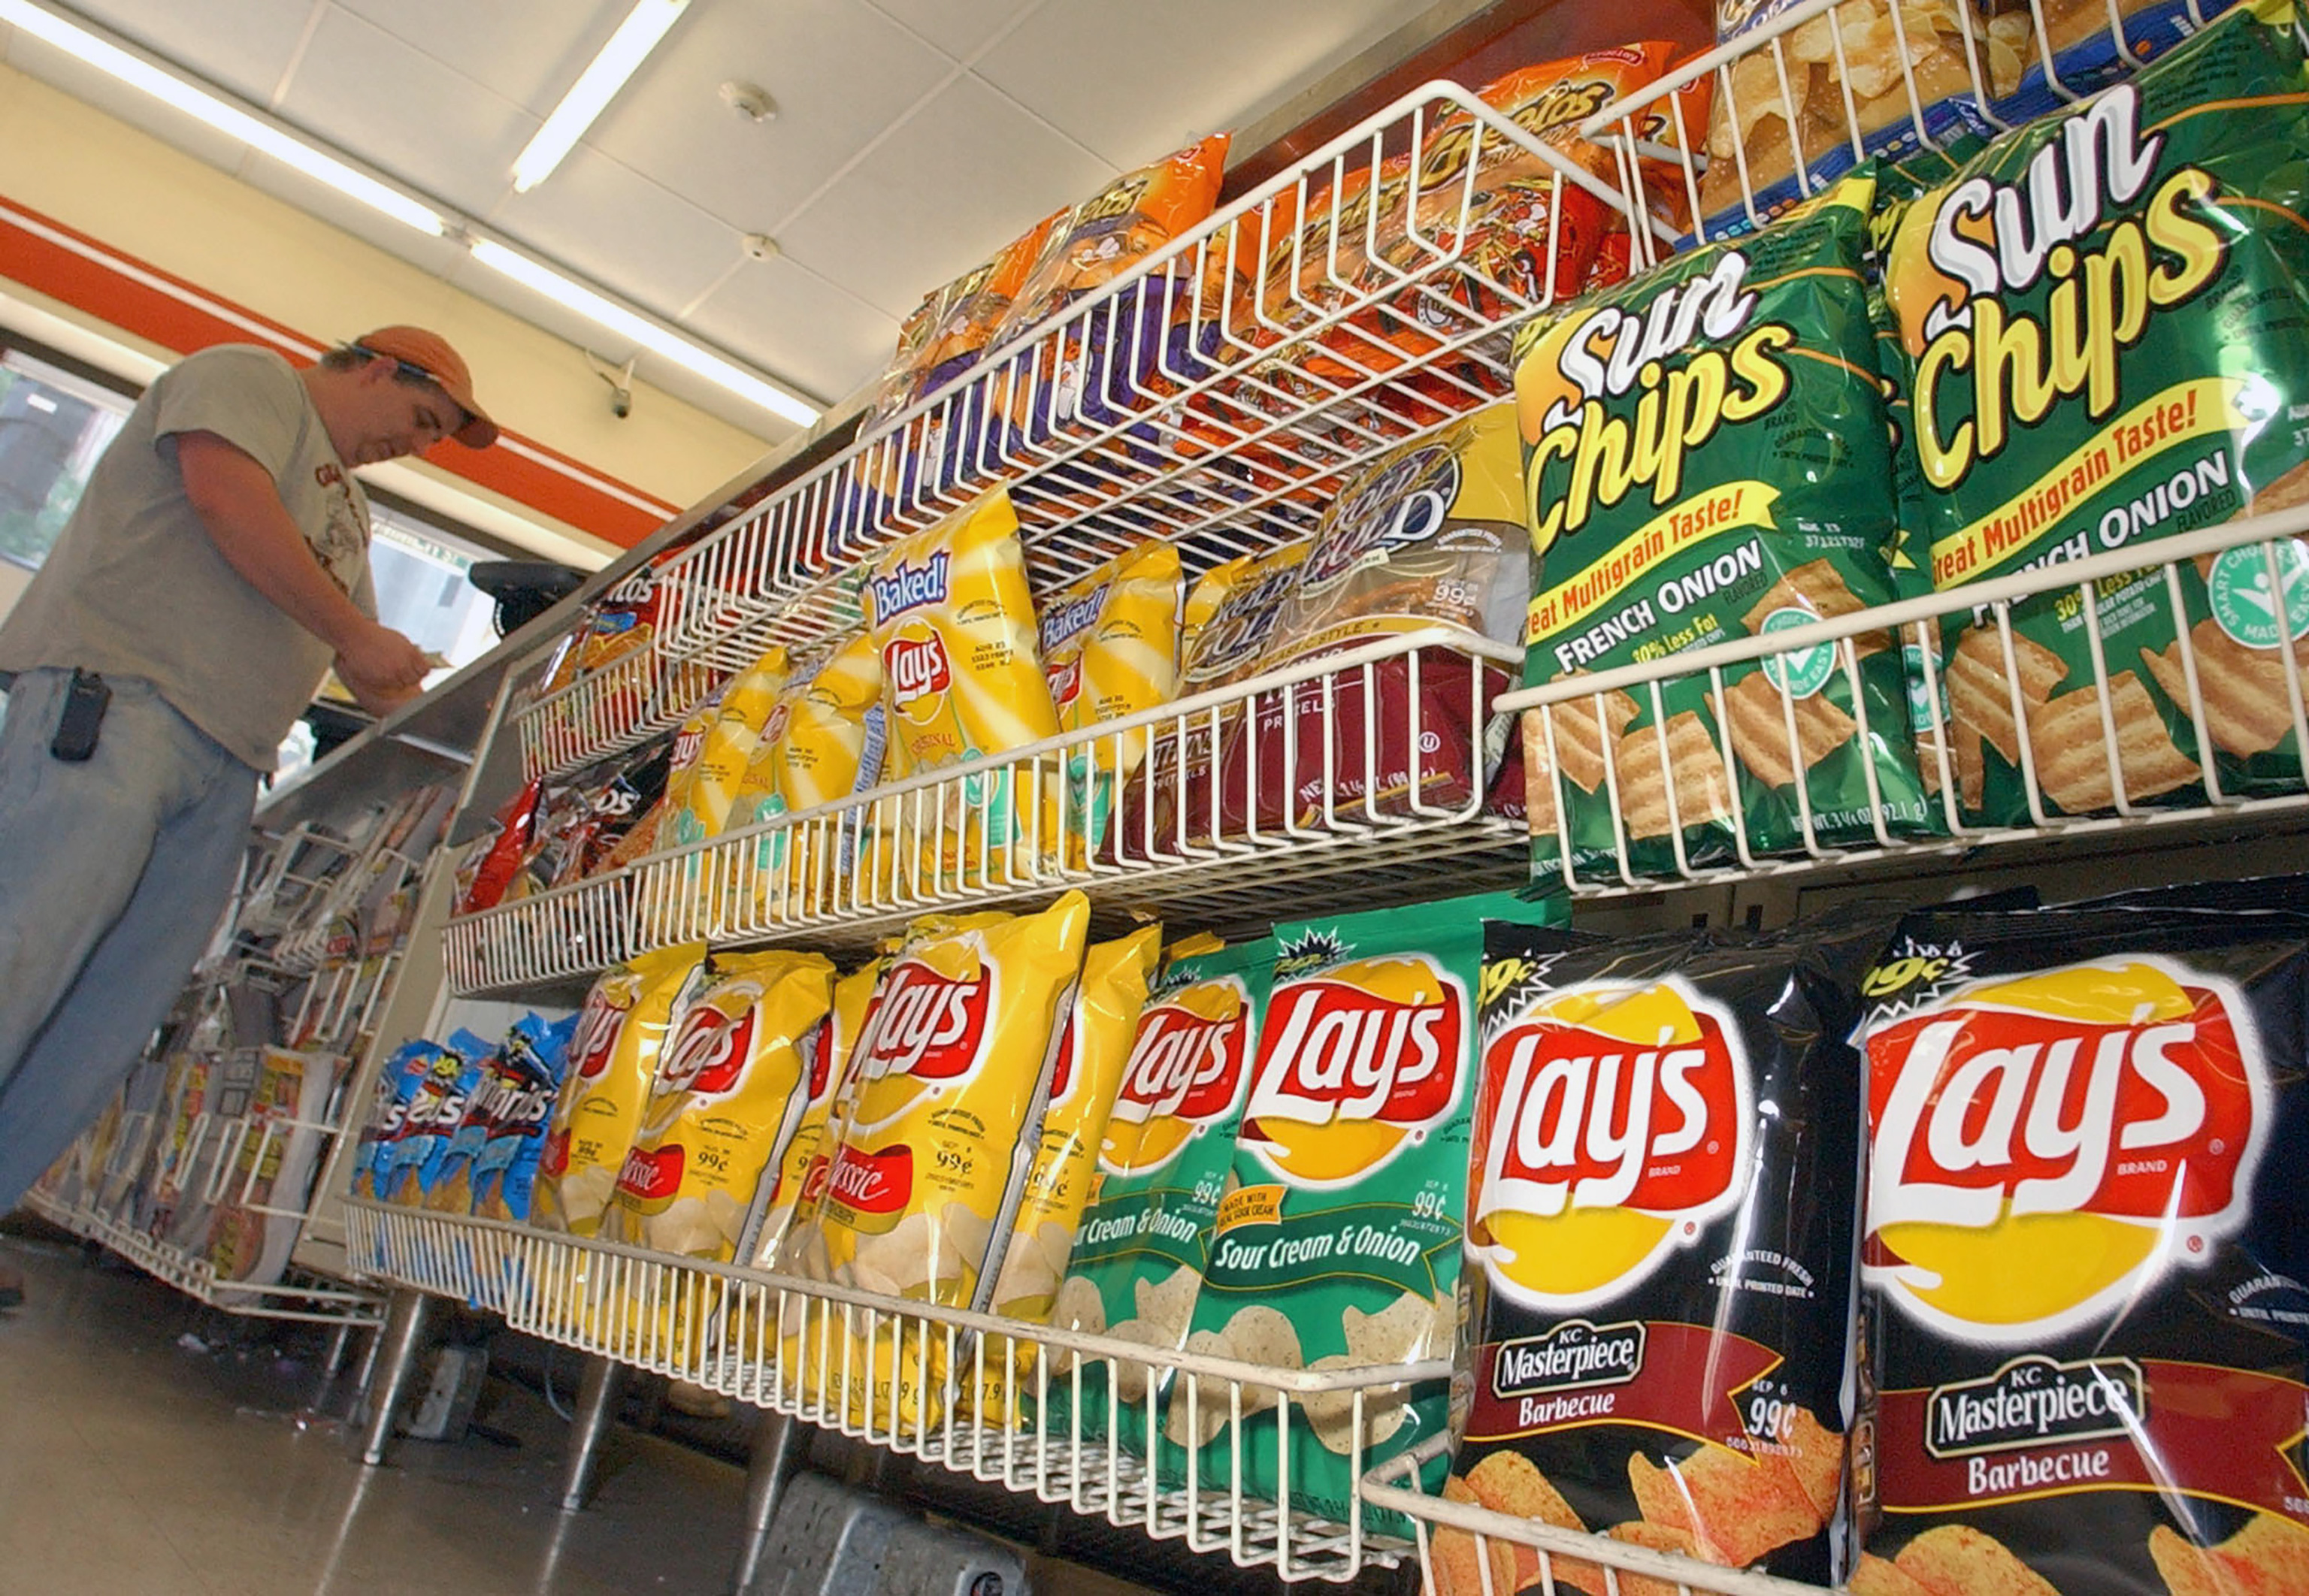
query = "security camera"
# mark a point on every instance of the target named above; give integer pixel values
(621, 402)
(620, 381)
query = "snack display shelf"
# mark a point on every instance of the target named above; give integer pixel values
(1211, 395)
(1352, 770)
(741, 1332)
(1466, 1538)
(2101, 752)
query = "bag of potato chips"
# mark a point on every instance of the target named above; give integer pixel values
(1338, 1245)
(612, 1060)
(950, 614)
(1109, 647)
(2086, 1250)
(435, 1109)
(2101, 379)
(445, 1181)
(1145, 1237)
(1661, 1206)
(529, 1070)
(1706, 460)
(824, 740)
(791, 1194)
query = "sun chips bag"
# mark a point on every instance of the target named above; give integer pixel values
(1706, 460)
(1661, 1209)
(2109, 376)
(1145, 1237)
(1338, 1245)
(613, 1058)
(2087, 1239)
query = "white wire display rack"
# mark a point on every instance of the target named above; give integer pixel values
(751, 1336)
(1364, 770)
(312, 1301)
(2219, 695)
(1212, 396)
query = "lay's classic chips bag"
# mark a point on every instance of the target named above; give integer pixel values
(790, 1195)
(2105, 375)
(1705, 459)
(1145, 1237)
(712, 781)
(2086, 1240)
(1109, 647)
(612, 1060)
(732, 1081)
(1661, 1193)
(953, 1075)
(1338, 1245)
(950, 614)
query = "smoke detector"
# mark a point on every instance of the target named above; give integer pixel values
(749, 100)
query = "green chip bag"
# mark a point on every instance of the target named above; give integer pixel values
(2103, 312)
(1145, 1237)
(1706, 459)
(1339, 1246)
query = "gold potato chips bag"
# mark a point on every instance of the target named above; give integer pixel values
(792, 1196)
(1109, 645)
(823, 741)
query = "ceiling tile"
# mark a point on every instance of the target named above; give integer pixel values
(615, 226)
(407, 112)
(798, 325)
(957, 27)
(240, 45)
(967, 174)
(839, 72)
(1134, 83)
(529, 54)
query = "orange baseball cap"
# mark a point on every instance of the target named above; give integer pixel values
(430, 353)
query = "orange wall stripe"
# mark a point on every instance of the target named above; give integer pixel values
(50, 258)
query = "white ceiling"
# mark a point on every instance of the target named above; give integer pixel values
(913, 138)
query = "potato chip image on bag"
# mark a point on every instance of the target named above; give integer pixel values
(613, 1057)
(1145, 1237)
(1660, 1239)
(2153, 418)
(1707, 459)
(1109, 647)
(952, 1076)
(951, 616)
(1343, 1230)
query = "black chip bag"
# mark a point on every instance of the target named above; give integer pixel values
(1662, 1200)
(2086, 1240)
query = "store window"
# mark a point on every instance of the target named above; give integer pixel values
(53, 426)
(422, 588)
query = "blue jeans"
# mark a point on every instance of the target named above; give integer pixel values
(112, 875)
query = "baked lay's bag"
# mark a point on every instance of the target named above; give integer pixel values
(1706, 460)
(1338, 1244)
(1661, 1211)
(2086, 1244)
(952, 1076)
(2102, 379)
(437, 1107)
(397, 1086)
(1109, 648)
(824, 739)
(613, 1055)
(951, 616)
(732, 1083)
(529, 1069)
(1145, 1237)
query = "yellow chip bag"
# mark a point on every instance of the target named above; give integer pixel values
(1109, 648)
(725, 752)
(793, 1194)
(949, 611)
(822, 740)
(1098, 1034)
(954, 1075)
(612, 1061)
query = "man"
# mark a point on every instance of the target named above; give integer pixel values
(215, 568)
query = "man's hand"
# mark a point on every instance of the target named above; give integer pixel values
(381, 669)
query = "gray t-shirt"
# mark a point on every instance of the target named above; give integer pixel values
(135, 586)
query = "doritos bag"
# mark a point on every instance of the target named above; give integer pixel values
(2085, 1240)
(435, 1109)
(1707, 459)
(490, 864)
(529, 1071)
(1338, 1243)
(1145, 1237)
(1660, 1233)
(2110, 391)
(446, 1181)
(396, 1088)
(1109, 648)
(612, 1060)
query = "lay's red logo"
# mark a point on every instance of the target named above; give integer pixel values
(917, 668)
(598, 1025)
(1186, 1071)
(708, 1055)
(872, 1183)
(647, 1181)
(2041, 1147)
(1613, 1126)
(925, 1026)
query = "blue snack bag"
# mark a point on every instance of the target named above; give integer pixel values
(436, 1110)
(529, 1071)
(396, 1085)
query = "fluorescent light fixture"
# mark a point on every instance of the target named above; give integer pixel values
(638, 329)
(219, 114)
(595, 87)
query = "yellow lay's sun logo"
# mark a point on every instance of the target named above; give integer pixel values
(1612, 1127)
(1186, 1066)
(1353, 1065)
(2041, 1147)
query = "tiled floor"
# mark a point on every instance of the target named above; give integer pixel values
(130, 1466)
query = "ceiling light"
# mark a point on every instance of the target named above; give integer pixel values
(219, 114)
(595, 87)
(640, 330)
